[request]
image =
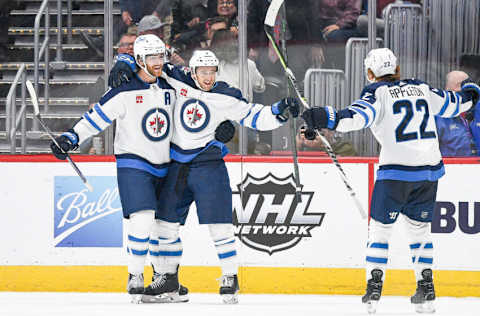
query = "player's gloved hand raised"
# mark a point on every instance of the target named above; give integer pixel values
(67, 141)
(471, 87)
(225, 132)
(280, 109)
(320, 117)
(123, 70)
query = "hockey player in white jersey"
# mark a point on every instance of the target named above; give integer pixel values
(143, 110)
(400, 113)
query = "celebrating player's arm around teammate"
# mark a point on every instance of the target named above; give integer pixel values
(143, 110)
(400, 115)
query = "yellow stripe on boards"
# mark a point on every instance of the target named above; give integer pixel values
(252, 280)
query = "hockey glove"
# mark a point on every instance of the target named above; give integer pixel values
(280, 109)
(472, 88)
(320, 117)
(67, 141)
(122, 71)
(225, 132)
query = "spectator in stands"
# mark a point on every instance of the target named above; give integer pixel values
(151, 24)
(188, 16)
(362, 21)
(227, 9)
(460, 135)
(339, 146)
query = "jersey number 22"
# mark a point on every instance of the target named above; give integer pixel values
(420, 106)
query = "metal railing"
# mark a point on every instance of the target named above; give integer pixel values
(12, 121)
(40, 51)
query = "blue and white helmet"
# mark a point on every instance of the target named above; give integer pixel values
(381, 61)
(202, 58)
(147, 45)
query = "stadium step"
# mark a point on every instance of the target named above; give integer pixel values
(29, 31)
(68, 66)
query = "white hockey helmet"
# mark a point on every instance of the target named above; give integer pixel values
(381, 61)
(202, 58)
(147, 45)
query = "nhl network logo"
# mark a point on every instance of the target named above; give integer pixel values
(267, 216)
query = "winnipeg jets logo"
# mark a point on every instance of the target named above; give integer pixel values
(156, 124)
(194, 115)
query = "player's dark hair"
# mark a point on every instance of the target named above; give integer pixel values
(391, 78)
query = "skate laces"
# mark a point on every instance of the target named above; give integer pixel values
(136, 280)
(159, 280)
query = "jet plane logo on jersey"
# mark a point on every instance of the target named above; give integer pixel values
(194, 115)
(87, 219)
(268, 217)
(156, 124)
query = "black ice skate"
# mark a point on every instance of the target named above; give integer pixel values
(135, 287)
(165, 289)
(229, 289)
(374, 291)
(425, 294)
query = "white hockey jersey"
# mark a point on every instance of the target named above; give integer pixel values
(401, 116)
(144, 126)
(198, 113)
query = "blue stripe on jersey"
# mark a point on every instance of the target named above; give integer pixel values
(445, 105)
(89, 120)
(249, 111)
(377, 260)
(255, 118)
(411, 173)
(142, 165)
(359, 111)
(102, 114)
(457, 108)
(133, 238)
(187, 155)
(378, 245)
(153, 242)
(368, 105)
(417, 245)
(227, 254)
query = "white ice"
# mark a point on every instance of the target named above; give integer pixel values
(117, 304)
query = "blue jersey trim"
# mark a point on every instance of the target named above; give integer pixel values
(184, 156)
(445, 105)
(142, 165)
(255, 118)
(417, 245)
(457, 108)
(378, 245)
(170, 253)
(368, 105)
(227, 254)
(135, 239)
(139, 252)
(411, 173)
(365, 116)
(249, 111)
(89, 120)
(423, 260)
(102, 114)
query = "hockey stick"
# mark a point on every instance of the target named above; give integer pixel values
(269, 27)
(273, 11)
(36, 112)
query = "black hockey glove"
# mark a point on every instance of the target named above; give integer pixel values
(280, 109)
(320, 117)
(67, 141)
(225, 132)
(122, 71)
(472, 88)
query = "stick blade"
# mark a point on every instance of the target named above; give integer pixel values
(272, 12)
(33, 97)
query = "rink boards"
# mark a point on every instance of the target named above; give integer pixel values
(59, 237)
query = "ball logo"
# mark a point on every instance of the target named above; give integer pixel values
(156, 124)
(194, 115)
(87, 219)
(267, 216)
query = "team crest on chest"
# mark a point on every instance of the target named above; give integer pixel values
(156, 124)
(194, 115)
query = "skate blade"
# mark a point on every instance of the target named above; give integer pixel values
(230, 298)
(425, 308)
(165, 298)
(136, 298)
(372, 307)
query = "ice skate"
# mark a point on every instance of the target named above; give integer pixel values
(229, 289)
(425, 294)
(135, 287)
(374, 291)
(165, 289)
